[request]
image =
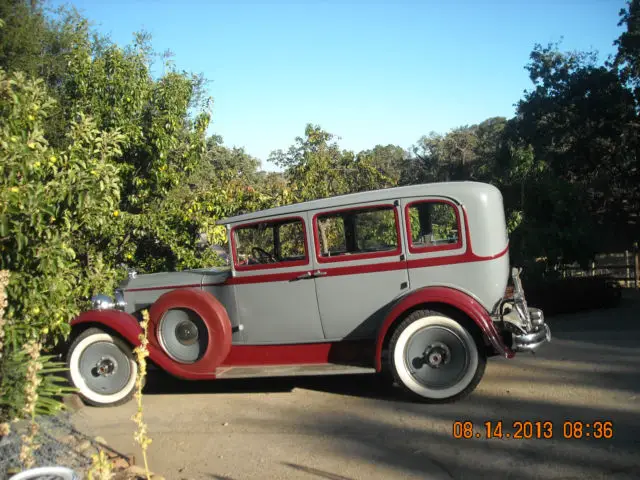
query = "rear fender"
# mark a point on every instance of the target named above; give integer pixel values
(128, 327)
(448, 296)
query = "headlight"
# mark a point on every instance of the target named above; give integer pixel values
(102, 302)
(120, 302)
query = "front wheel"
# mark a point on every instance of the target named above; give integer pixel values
(102, 367)
(434, 358)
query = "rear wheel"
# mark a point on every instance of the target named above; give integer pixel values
(102, 367)
(434, 358)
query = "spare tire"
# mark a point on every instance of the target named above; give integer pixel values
(191, 327)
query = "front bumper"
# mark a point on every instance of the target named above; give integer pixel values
(525, 325)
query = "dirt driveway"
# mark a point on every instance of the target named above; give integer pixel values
(348, 427)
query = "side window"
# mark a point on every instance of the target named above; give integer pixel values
(270, 243)
(292, 241)
(358, 231)
(433, 224)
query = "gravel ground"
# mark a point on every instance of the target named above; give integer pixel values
(350, 427)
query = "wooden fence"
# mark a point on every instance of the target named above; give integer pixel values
(623, 268)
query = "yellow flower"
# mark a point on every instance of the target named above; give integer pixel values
(35, 310)
(116, 213)
(45, 330)
(129, 256)
(36, 165)
(14, 189)
(93, 172)
(52, 159)
(31, 118)
(31, 145)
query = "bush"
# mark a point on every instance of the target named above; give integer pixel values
(571, 295)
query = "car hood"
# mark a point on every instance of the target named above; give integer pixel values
(170, 280)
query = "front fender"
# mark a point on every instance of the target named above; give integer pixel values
(122, 323)
(127, 327)
(448, 296)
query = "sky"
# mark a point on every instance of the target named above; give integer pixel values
(369, 72)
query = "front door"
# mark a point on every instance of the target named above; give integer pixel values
(359, 266)
(275, 293)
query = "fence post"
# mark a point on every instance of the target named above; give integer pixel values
(626, 262)
(637, 269)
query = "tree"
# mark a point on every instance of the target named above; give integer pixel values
(389, 160)
(464, 153)
(315, 167)
(580, 118)
(58, 208)
(627, 59)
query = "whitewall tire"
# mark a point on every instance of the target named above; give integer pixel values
(435, 358)
(102, 367)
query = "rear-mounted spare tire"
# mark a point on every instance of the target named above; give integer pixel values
(192, 328)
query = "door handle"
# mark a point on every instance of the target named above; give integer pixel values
(304, 276)
(319, 273)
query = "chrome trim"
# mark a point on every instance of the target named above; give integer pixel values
(532, 341)
(102, 302)
(532, 337)
(120, 302)
(529, 322)
(519, 301)
(537, 317)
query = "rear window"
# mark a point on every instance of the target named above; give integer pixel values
(433, 224)
(360, 231)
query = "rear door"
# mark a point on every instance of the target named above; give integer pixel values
(359, 266)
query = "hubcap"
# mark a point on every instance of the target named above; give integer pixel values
(187, 332)
(437, 357)
(105, 368)
(183, 335)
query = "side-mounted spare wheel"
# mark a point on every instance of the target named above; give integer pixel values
(192, 328)
(435, 358)
(102, 367)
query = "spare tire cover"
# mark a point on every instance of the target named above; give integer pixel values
(213, 315)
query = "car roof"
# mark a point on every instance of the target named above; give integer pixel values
(444, 189)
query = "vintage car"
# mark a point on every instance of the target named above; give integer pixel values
(408, 281)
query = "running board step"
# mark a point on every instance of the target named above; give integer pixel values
(290, 370)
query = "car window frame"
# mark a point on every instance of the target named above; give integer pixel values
(268, 266)
(356, 256)
(432, 248)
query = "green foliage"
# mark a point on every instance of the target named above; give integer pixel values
(465, 153)
(51, 386)
(55, 204)
(627, 60)
(389, 160)
(315, 167)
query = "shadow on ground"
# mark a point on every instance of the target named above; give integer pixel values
(596, 352)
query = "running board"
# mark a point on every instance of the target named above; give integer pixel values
(290, 370)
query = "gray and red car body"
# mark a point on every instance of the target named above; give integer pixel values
(323, 312)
